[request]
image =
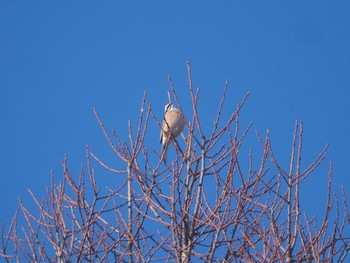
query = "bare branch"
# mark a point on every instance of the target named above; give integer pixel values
(211, 203)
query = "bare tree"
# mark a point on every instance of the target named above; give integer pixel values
(202, 206)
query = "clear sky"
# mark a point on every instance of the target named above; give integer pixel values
(59, 59)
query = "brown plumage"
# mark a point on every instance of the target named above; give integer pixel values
(173, 125)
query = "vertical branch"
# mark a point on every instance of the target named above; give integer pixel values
(297, 191)
(290, 205)
(294, 181)
(130, 216)
(200, 183)
(194, 98)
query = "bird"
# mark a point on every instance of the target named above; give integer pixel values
(172, 126)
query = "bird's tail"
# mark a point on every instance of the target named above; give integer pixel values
(164, 152)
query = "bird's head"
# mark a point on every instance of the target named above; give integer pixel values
(169, 107)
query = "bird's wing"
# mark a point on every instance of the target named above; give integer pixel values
(161, 133)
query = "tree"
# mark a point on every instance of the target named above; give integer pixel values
(201, 206)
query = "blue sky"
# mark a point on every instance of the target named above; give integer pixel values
(58, 60)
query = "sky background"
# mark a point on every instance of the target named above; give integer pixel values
(58, 60)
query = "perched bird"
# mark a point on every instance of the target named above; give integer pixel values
(173, 125)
